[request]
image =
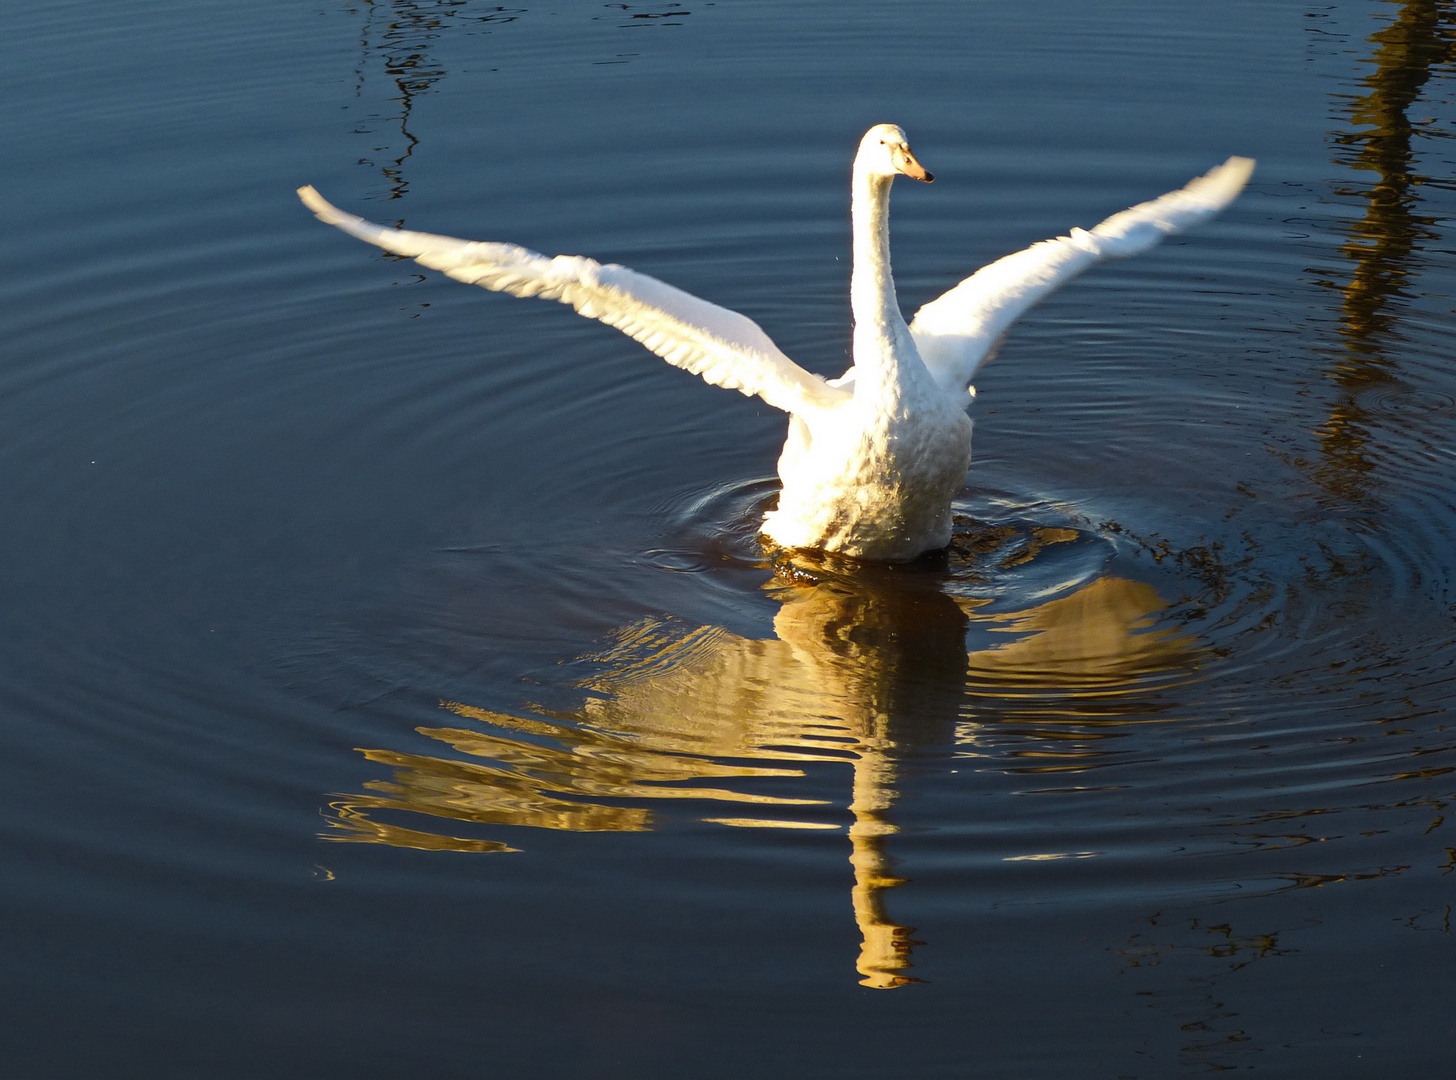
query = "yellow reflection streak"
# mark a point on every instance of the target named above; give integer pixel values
(1383, 243)
(1094, 642)
(858, 672)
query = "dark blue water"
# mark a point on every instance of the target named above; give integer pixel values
(393, 685)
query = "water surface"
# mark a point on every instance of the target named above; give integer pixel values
(394, 684)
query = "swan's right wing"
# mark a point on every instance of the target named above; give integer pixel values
(957, 332)
(725, 348)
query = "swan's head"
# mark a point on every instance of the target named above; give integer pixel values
(884, 152)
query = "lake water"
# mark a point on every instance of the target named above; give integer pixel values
(393, 685)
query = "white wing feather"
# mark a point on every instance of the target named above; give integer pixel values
(725, 348)
(957, 332)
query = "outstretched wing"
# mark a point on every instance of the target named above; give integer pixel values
(727, 349)
(956, 332)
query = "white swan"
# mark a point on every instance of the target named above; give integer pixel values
(873, 458)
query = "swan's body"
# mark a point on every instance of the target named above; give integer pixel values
(873, 458)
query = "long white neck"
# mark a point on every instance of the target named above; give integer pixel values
(880, 334)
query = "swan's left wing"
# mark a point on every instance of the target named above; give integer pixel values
(956, 332)
(725, 348)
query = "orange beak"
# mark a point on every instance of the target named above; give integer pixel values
(906, 163)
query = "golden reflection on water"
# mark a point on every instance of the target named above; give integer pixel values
(859, 672)
(1386, 241)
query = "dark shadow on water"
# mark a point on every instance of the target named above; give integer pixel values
(399, 38)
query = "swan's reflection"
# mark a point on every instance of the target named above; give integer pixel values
(862, 671)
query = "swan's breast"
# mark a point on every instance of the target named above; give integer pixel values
(879, 488)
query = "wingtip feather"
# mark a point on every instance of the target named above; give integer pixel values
(1222, 184)
(314, 201)
(330, 214)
